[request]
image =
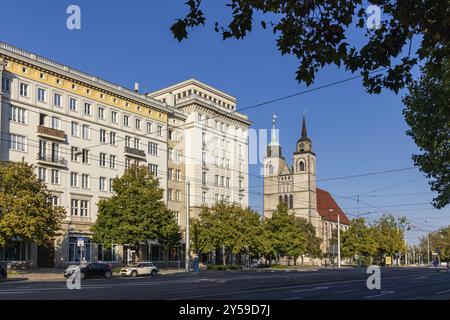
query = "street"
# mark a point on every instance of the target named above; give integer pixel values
(396, 283)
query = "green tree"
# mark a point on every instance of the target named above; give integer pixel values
(428, 115)
(388, 233)
(135, 213)
(438, 239)
(316, 33)
(26, 211)
(226, 225)
(359, 241)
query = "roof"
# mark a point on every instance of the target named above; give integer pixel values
(328, 208)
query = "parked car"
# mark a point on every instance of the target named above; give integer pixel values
(3, 272)
(90, 270)
(139, 269)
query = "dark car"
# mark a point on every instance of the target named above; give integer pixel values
(91, 270)
(3, 272)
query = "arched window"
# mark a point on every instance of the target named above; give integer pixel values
(286, 200)
(291, 201)
(280, 199)
(270, 169)
(301, 166)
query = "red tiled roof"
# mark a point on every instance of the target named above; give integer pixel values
(328, 208)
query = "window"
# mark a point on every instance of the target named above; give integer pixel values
(127, 163)
(301, 166)
(55, 176)
(138, 124)
(6, 85)
(17, 114)
(41, 95)
(291, 202)
(74, 207)
(228, 182)
(74, 153)
(170, 194)
(216, 197)
(85, 156)
(84, 205)
(240, 184)
(42, 174)
(54, 200)
(102, 136)
(126, 121)
(75, 129)
(112, 162)
(203, 197)
(73, 104)
(203, 178)
(24, 90)
(101, 113)
(153, 148)
(177, 173)
(111, 182)
(177, 196)
(149, 127)
(137, 143)
(102, 184)
(86, 132)
(127, 141)
(153, 169)
(222, 178)
(18, 143)
(87, 109)
(170, 174)
(160, 128)
(57, 99)
(102, 160)
(216, 181)
(55, 123)
(114, 117)
(112, 138)
(85, 181)
(74, 180)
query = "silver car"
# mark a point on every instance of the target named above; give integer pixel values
(140, 269)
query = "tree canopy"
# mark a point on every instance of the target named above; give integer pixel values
(136, 212)
(317, 34)
(26, 211)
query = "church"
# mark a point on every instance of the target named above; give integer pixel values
(295, 186)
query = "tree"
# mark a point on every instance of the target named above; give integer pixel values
(358, 241)
(226, 225)
(289, 236)
(26, 211)
(389, 236)
(439, 239)
(315, 32)
(135, 213)
(427, 113)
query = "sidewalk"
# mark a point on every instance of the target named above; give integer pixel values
(49, 275)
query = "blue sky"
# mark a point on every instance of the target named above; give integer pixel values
(352, 132)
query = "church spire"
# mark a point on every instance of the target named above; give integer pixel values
(304, 132)
(274, 138)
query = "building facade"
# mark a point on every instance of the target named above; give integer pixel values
(296, 187)
(81, 132)
(215, 143)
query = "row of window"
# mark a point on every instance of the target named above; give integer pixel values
(222, 181)
(42, 96)
(172, 176)
(174, 195)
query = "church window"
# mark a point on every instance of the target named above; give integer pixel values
(291, 202)
(270, 169)
(280, 199)
(301, 166)
(286, 199)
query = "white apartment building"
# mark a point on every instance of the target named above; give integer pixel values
(81, 132)
(215, 143)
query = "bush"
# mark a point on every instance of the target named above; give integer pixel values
(222, 267)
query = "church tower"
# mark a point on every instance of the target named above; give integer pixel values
(274, 164)
(304, 178)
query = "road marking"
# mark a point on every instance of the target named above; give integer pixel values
(442, 292)
(312, 289)
(381, 294)
(345, 291)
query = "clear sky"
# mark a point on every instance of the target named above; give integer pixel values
(352, 132)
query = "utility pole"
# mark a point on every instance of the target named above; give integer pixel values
(339, 240)
(406, 249)
(188, 249)
(428, 246)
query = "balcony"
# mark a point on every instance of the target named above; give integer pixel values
(135, 153)
(51, 133)
(48, 159)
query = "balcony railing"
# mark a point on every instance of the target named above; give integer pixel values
(135, 152)
(55, 133)
(51, 159)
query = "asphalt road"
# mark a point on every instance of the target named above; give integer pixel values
(396, 283)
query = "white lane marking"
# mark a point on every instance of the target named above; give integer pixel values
(345, 291)
(381, 294)
(442, 292)
(312, 289)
